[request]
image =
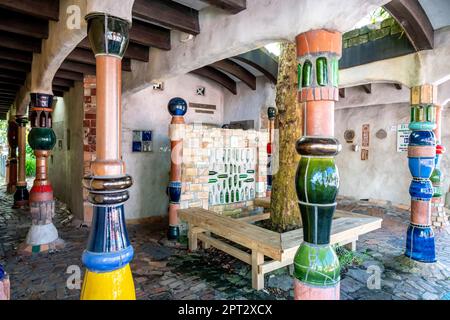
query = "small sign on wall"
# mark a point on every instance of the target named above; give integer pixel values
(142, 141)
(403, 133)
(365, 142)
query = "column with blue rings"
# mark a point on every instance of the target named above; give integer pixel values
(420, 242)
(109, 251)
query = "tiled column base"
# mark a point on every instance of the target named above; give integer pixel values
(43, 235)
(420, 244)
(303, 291)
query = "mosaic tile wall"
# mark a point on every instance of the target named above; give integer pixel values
(220, 162)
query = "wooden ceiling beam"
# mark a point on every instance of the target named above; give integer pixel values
(6, 80)
(150, 35)
(232, 6)
(218, 77)
(58, 93)
(23, 25)
(168, 14)
(43, 9)
(69, 75)
(82, 56)
(16, 55)
(411, 16)
(63, 82)
(71, 66)
(236, 70)
(60, 88)
(262, 62)
(16, 42)
(14, 66)
(10, 87)
(12, 74)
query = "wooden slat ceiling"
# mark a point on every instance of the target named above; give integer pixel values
(24, 24)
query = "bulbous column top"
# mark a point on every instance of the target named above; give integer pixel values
(177, 107)
(271, 113)
(108, 35)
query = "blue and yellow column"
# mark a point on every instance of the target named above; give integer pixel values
(109, 252)
(420, 244)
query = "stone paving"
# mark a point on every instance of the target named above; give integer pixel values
(162, 272)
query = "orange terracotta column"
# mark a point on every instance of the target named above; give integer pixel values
(109, 251)
(317, 269)
(177, 108)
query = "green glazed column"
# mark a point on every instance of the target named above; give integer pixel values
(317, 270)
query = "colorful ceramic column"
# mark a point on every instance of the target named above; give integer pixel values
(420, 245)
(317, 270)
(177, 108)
(4, 285)
(437, 178)
(272, 113)
(21, 195)
(109, 252)
(12, 159)
(43, 235)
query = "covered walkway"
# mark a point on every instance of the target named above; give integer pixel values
(162, 272)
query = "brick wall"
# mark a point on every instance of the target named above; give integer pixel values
(89, 138)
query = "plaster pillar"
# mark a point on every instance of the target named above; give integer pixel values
(177, 108)
(12, 159)
(4, 285)
(317, 269)
(109, 251)
(438, 216)
(420, 244)
(21, 196)
(271, 112)
(42, 235)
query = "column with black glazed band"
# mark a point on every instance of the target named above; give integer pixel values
(109, 252)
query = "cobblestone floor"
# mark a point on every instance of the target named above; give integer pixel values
(171, 273)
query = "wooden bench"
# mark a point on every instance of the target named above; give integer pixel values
(279, 248)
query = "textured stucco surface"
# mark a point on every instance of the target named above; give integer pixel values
(147, 110)
(66, 166)
(428, 66)
(263, 22)
(385, 175)
(249, 104)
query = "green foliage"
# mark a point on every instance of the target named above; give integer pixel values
(348, 258)
(379, 15)
(30, 163)
(3, 132)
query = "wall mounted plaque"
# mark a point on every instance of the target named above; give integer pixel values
(365, 135)
(381, 134)
(349, 136)
(142, 141)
